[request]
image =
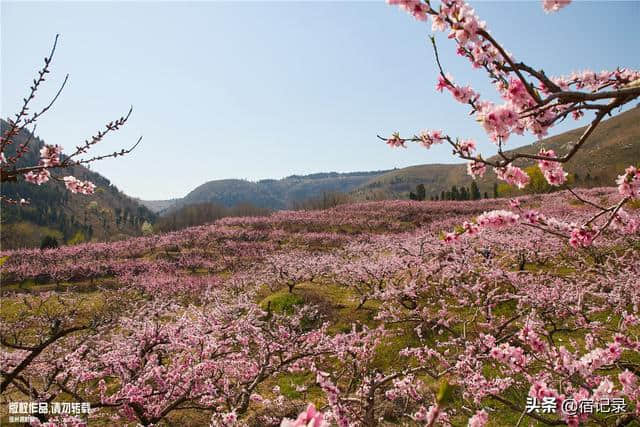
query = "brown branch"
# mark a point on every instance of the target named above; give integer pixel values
(15, 126)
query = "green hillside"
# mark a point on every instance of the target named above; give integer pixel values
(107, 215)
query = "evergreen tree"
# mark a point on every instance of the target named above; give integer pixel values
(455, 195)
(421, 192)
(464, 194)
(475, 192)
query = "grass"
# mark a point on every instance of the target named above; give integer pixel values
(282, 302)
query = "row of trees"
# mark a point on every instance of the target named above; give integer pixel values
(455, 193)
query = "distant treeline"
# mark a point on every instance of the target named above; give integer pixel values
(204, 213)
(456, 193)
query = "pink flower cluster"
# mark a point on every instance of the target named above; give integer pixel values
(396, 141)
(594, 81)
(75, 185)
(625, 223)
(476, 169)
(50, 155)
(430, 137)
(463, 94)
(514, 357)
(631, 387)
(499, 121)
(629, 183)
(479, 419)
(554, 5)
(582, 237)
(309, 418)
(497, 218)
(513, 175)
(539, 390)
(467, 147)
(38, 177)
(552, 171)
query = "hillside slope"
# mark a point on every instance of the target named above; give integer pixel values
(614, 145)
(107, 215)
(275, 194)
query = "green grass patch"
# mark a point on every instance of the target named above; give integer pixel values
(282, 302)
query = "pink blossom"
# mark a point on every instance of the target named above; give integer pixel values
(513, 175)
(497, 218)
(467, 147)
(554, 5)
(625, 223)
(451, 237)
(309, 418)
(552, 171)
(470, 228)
(430, 137)
(38, 177)
(581, 237)
(476, 169)
(396, 141)
(534, 217)
(509, 355)
(629, 183)
(50, 155)
(75, 185)
(479, 419)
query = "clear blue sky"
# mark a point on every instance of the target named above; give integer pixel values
(269, 89)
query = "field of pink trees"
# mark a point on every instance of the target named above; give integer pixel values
(495, 312)
(367, 311)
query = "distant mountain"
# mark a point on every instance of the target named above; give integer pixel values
(156, 206)
(614, 145)
(272, 193)
(106, 215)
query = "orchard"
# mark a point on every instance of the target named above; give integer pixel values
(493, 312)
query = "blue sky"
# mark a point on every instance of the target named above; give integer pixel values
(268, 89)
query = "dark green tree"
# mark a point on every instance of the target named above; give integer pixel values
(421, 192)
(49, 242)
(455, 194)
(464, 193)
(475, 192)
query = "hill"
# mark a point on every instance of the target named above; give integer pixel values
(614, 145)
(275, 193)
(107, 215)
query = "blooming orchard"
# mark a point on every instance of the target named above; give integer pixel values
(360, 315)
(361, 310)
